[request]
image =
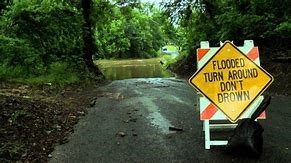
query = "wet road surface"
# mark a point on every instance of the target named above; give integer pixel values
(131, 119)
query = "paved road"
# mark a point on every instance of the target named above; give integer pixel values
(131, 120)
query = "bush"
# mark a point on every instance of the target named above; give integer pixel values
(58, 73)
(41, 39)
(52, 27)
(18, 59)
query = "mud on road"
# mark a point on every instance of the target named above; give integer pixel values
(130, 123)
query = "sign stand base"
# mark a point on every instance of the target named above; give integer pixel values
(207, 127)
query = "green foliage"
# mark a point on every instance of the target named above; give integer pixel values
(18, 58)
(60, 73)
(265, 22)
(284, 28)
(43, 40)
(12, 149)
(169, 60)
(4, 4)
(36, 36)
(131, 31)
(50, 26)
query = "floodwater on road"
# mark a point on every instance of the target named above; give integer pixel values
(133, 68)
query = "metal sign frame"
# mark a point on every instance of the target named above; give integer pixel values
(207, 126)
(257, 94)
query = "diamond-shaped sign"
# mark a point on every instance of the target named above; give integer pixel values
(231, 81)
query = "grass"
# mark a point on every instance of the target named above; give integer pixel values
(57, 73)
(171, 48)
(108, 63)
(169, 60)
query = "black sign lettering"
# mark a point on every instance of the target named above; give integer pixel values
(242, 74)
(231, 90)
(228, 63)
(233, 96)
(213, 76)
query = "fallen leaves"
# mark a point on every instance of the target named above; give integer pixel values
(30, 128)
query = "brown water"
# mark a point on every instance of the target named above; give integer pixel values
(133, 68)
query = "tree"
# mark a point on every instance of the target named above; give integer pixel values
(44, 39)
(131, 30)
(267, 22)
(88, 36)
(263, 21)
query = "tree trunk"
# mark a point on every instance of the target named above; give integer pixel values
(89, 43)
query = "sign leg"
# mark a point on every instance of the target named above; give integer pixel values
(207, 134)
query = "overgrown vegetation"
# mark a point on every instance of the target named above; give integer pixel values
(37, 36)
(132, 30)
(46, 38)
(54, 40)
(267, 22)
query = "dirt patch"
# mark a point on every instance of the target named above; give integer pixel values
(35, 119)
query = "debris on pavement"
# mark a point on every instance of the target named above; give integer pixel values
(175, 129)
(134, 134)
(93, 102)
(121, 134)
(133, 119)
